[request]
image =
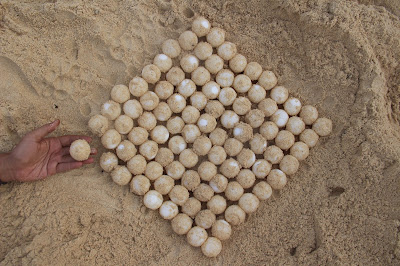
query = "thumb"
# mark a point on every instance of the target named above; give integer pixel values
(41, 132)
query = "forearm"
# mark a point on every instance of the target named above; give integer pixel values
(6, 171)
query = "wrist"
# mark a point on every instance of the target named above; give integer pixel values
(7, 172)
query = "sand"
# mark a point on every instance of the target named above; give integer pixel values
(60, 59)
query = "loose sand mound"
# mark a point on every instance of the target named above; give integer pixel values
(60, 60)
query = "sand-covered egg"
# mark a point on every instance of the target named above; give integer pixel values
(108, 161)
(138, 86)
(171, 48)
(80, 150)
(201, 26)
(189, 63)
(110, 139)
(163, 62)
(98, 124)
(120, 93)
(153, 200)
(216, 37)
(111, 109)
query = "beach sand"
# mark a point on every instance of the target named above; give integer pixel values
(60, 59)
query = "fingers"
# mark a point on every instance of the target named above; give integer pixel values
(41, 132)
(64, 167)
(68, 139)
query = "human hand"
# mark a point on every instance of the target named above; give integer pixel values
(37, 157)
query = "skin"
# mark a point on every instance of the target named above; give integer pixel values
(37, 156)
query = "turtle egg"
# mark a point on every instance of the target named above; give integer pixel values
(152, 200)
(196, 236)
(249, 202)
(309, 114)
(188, 40)
(309, 137)
(179, 195)
(175, 75)
(198, 100)
(147, 121)
(258, 144)
(238, 63)
(227, 50)
(267, 80)
(151, 73)
(280, 118)
(203, 192)
(225, 78)
(292, 106)
(164, 184)
(262, 190)
(229, 119)
(138, 135)
(206, 123)
(243, 132)
(268, 106)
(300, 150)
(189, 63)
(140, 185)
(233, 146)
(230, 168)
(137, 165)
(171, 48)
(188, 158)
(295, 125)
(168, 210)
(227, 96)
(218, 136)
(120, 93)
(201, 76)
(163, 62)
(221, 229)
(217, 204)
(181, 224)
(138, 86)
(279, 94)
(202, 145)
(190, 133)
(203, 50)
(149, 149)
(235, 215)
(111, 109)
(126, 150)
(111, 139)
(242, 83)
(322, 126)
(190, 180)
(175, 170)
(149, 101)
(80, 150)
(153, 170)
(201, 26)
(269, 130)
(233, 191)
(162, 112)
(205, 219)
(217, 155)
(214, 64)
(216, 37)
(177, 144)
(219, 183)
(214, 108)
(121, 175)
(191, 207)
(207, 171)
(160, 134)
(273, 154)
(190, 114)
(164, 156)
(211, 90)
(133, 109)
(176, 102)
(175, 125)
(255, 118)
(261, 168)
(256, 93)
(108, 161)
(246, 158)
(277, 179)
(241, 105)
(284, 140)
(98, 124)
(289, 165)
(164, 89)
(253, 70)
(246, 178)
(123, 124)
